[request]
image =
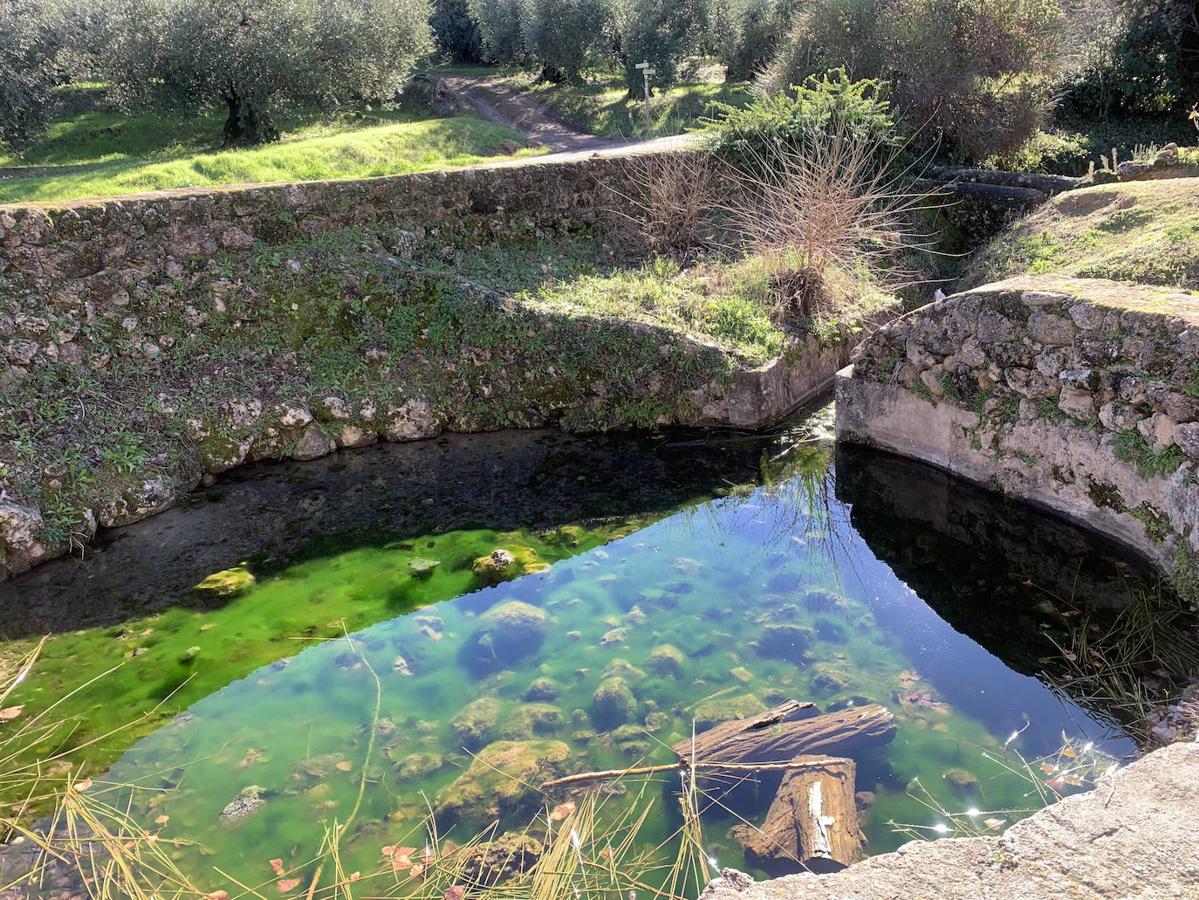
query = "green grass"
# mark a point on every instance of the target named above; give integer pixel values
(602, 106)
(105, 153)
(731, 303)
(1146, 231)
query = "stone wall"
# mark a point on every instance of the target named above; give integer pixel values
(1078, 394)
(150, 343)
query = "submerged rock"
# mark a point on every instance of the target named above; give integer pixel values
(722, 709)
(787, 642)
(613, 703)
(248, 801)
(963, 781)
(510, 632)
(497, 566)
(494, 862)
(227, 583)
(419, 765)
(318, 768)
(472, 725)
(422, 568)
(540, 690)
(667, 659)
(622, 668)
(529, 720)
(828, 679)
(498, 781)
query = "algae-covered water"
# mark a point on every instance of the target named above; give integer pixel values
(354, 648)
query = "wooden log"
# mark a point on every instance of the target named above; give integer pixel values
(777, 736)
(812, 824)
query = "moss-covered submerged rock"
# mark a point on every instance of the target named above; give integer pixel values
(723, 709)
(667, 659)
(472, 726)
(497, 782)
(613, 703)
(492, 863)
(506, 563)
(530, 720)
(228, 583)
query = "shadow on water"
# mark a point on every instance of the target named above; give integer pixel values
(1014, 578)
(276, 514)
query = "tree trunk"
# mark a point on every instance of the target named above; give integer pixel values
(811, 825)
(777, 736)
(247, 122)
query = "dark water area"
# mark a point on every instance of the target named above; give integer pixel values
(668, 564)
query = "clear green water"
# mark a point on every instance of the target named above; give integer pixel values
(274, 698)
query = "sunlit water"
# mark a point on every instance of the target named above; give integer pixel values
(708, 580)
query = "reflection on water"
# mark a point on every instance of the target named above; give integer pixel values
(891, 589)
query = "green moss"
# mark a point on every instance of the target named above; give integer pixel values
(1156, 522)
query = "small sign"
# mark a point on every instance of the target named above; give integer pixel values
(643, 65)
(650, 71)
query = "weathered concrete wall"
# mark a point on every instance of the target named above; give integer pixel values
(1078, 394)
(1133, 836)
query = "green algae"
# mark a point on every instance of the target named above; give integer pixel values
(602, 660)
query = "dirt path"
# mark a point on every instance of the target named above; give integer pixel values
(505, 105)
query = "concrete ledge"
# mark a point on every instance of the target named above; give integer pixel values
(1132, 837)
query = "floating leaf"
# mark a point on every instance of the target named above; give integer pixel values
(288, 884)
(162, 820)
(83, 784)
(218, 895)
(7, 715)
(277, 866)
(561, 811)
(454, 892)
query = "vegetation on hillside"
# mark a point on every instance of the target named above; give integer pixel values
(1144, 231)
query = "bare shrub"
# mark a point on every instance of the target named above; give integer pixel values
(671, 201)
(828, 209)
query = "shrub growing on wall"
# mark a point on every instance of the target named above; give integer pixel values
(256, 56)
(972, 75)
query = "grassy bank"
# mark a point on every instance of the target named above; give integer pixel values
(100, 152)
(1146, 231)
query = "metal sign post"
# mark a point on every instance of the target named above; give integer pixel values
(646, 72)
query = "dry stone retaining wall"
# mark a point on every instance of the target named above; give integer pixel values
(1078, 394)
(241, 324)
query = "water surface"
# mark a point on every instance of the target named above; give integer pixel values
(667, 563)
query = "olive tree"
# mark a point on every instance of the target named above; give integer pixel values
(256, 56)
(499, 24)
(562, 36)
(974, 75)
(30, 38)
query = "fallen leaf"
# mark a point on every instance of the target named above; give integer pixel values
(417, 871)
(277, 866)
(219, 895)
(83, 785)
(288, 884)
(354, 876)
(162, 820)
(7, 715)
(389, 851)
(561, 811)
(993, 823)
(344, 766)
(454, 892)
